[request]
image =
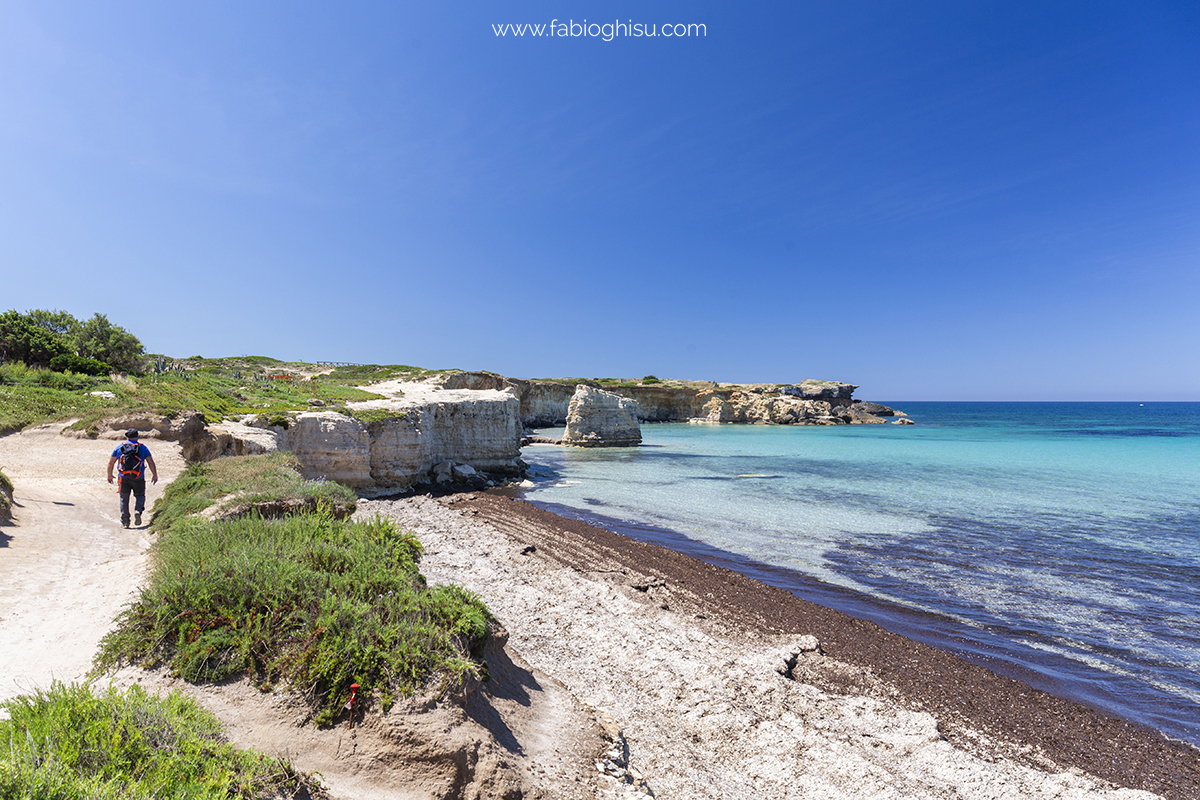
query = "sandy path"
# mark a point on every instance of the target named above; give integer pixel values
(67, 567)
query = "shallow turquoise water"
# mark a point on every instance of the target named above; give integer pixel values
(1056, 542)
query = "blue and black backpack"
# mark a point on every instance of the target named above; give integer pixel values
(129, 463)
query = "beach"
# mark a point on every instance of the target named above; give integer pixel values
(687, 657)
(700, 682)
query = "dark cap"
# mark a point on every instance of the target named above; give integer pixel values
(132, 433)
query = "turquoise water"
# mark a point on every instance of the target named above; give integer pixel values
(1055, 542)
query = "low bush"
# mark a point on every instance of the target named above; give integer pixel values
(308, 601)
(69, 362)
(70, 742)
(271, 480)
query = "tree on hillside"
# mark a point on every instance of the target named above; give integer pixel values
(99, 339)
(57, 322)
(21, 339)
(39, 336)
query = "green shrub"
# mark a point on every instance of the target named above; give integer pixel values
(70, 743)
(69, 362)
(264, 481)
(6, 494)
(649, 379)
(307, 600)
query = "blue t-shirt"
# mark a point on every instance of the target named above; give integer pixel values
(143, 453)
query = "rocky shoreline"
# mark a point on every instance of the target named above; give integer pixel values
(726, 687)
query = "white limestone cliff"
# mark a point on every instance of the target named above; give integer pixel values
(389, 444)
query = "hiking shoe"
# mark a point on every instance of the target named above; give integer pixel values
(137, 518)
(124, 523)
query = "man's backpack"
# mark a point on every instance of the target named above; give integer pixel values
(129, 464)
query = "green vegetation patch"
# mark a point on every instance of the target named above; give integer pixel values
(39, 336)
(374, 416)
(225, 393)
(308, 601)
(70, 742)
(372, 373)
(21, 406)
(6, 494)
(269, 483)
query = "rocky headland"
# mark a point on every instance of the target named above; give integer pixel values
(468, 428)
(545, 403)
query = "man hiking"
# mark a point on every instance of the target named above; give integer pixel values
(131, 459)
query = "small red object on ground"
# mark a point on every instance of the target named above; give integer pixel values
(350, 703)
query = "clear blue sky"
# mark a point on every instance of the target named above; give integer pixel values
(956, 200)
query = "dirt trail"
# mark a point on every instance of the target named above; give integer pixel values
(66, 564)
(67, 568)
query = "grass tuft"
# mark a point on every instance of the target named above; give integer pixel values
(264, 482)
(70, 743)
(6, 494)
(307, 600)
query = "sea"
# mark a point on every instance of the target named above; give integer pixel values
(1057, 543)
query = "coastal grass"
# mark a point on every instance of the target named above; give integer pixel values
(218, 388)
(218, 393)
(6, 494)
(267, 483)
(23, 405)
(306, 601)
(70, 742)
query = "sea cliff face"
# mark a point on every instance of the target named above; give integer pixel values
(398, 441)
(545, 403)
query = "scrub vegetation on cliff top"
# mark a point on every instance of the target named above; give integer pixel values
(269, 484)
(307, 601)
(218, 388)
(71, 742)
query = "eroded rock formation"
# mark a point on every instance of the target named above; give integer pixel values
(597, 418)
(402, 439)
(333, 446)
(546, 403)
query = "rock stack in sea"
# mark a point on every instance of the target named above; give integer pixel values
(596, 418)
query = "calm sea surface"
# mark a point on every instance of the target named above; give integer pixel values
(1058, 543)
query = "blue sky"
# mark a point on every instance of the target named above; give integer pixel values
(932, 200)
